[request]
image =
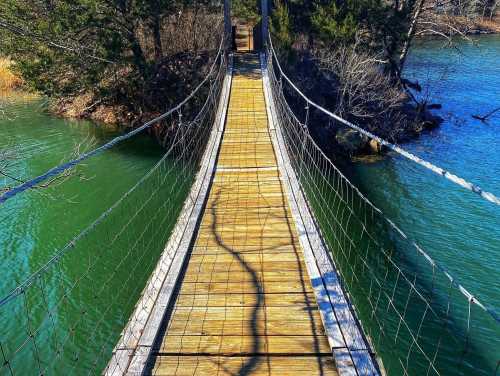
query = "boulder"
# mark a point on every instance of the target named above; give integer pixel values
(375, 146)
(351, 140)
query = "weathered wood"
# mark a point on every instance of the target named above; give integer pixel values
(350, 349)
(244, 300)
(227, 18)
(238, 344)
(234, 267)
(245, 303)
(228, 366)
(133, 349)
(240, 327)
(259, 294)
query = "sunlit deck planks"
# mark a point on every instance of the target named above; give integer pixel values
(245, 303)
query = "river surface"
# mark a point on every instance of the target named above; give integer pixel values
(45, 218)
(456, 228)
(38, 223)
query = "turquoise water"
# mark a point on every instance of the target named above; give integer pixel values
(455, 227)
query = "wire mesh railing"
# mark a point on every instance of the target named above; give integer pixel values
(67, 316)
(417, 317)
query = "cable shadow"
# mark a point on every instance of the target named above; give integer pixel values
(253, 360)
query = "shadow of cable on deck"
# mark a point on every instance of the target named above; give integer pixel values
(253, 361)
(256, 355)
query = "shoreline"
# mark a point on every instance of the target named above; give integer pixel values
(452, 26)
(87, 107)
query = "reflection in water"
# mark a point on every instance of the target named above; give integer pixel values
(419, 321)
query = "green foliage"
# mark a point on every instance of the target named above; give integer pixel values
(340, 22)
(281, 25)
(377, 24)
(334, 24)
(67, 47)
(246, 10)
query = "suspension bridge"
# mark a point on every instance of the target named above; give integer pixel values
(275, 264)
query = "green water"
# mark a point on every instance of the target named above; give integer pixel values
(69, 319)
(47, 216)
(456, 228)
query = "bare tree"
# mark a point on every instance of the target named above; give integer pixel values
(495, 4)
(484, 118)
(439, 18)
(11, 155)
(362, 91)
(197, 25)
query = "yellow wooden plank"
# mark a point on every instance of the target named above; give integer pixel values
(195, 326)
(269, 218)
(267, 157)
(247, 189)
(257, 176)
(232, 215)
(277, 315)
(238, 244)
(220, 249)
(246, 148)
(237, 344)
(245, 300)
(248, 200)
(250, 258)
(243, 276)
(245, 289)
(245, 163)
(256, 365)
(242, 138)
(233, 266)
(273, 239)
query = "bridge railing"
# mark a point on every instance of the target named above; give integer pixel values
(417, 317)
(68, 314)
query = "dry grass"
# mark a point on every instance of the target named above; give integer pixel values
(8, 80)
(493, 24)
(467, 25)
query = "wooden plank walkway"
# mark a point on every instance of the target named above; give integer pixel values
(245, 303)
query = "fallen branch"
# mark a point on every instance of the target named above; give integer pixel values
(87, 109)
(9, 157)
(484, 118)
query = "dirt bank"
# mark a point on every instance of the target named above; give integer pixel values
(8, 80)
(171, 80)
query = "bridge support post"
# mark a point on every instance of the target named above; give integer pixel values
(227, 22)
(265, 21)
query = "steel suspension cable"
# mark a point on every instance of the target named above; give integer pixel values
(95, 277)
(412, 157)
(71, 164)
(418, 317)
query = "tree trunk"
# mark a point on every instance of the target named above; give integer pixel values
(419, 5)
(139, 58)
(158, 48)
(193, 26)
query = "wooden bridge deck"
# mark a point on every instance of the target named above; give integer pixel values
(245, 303)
